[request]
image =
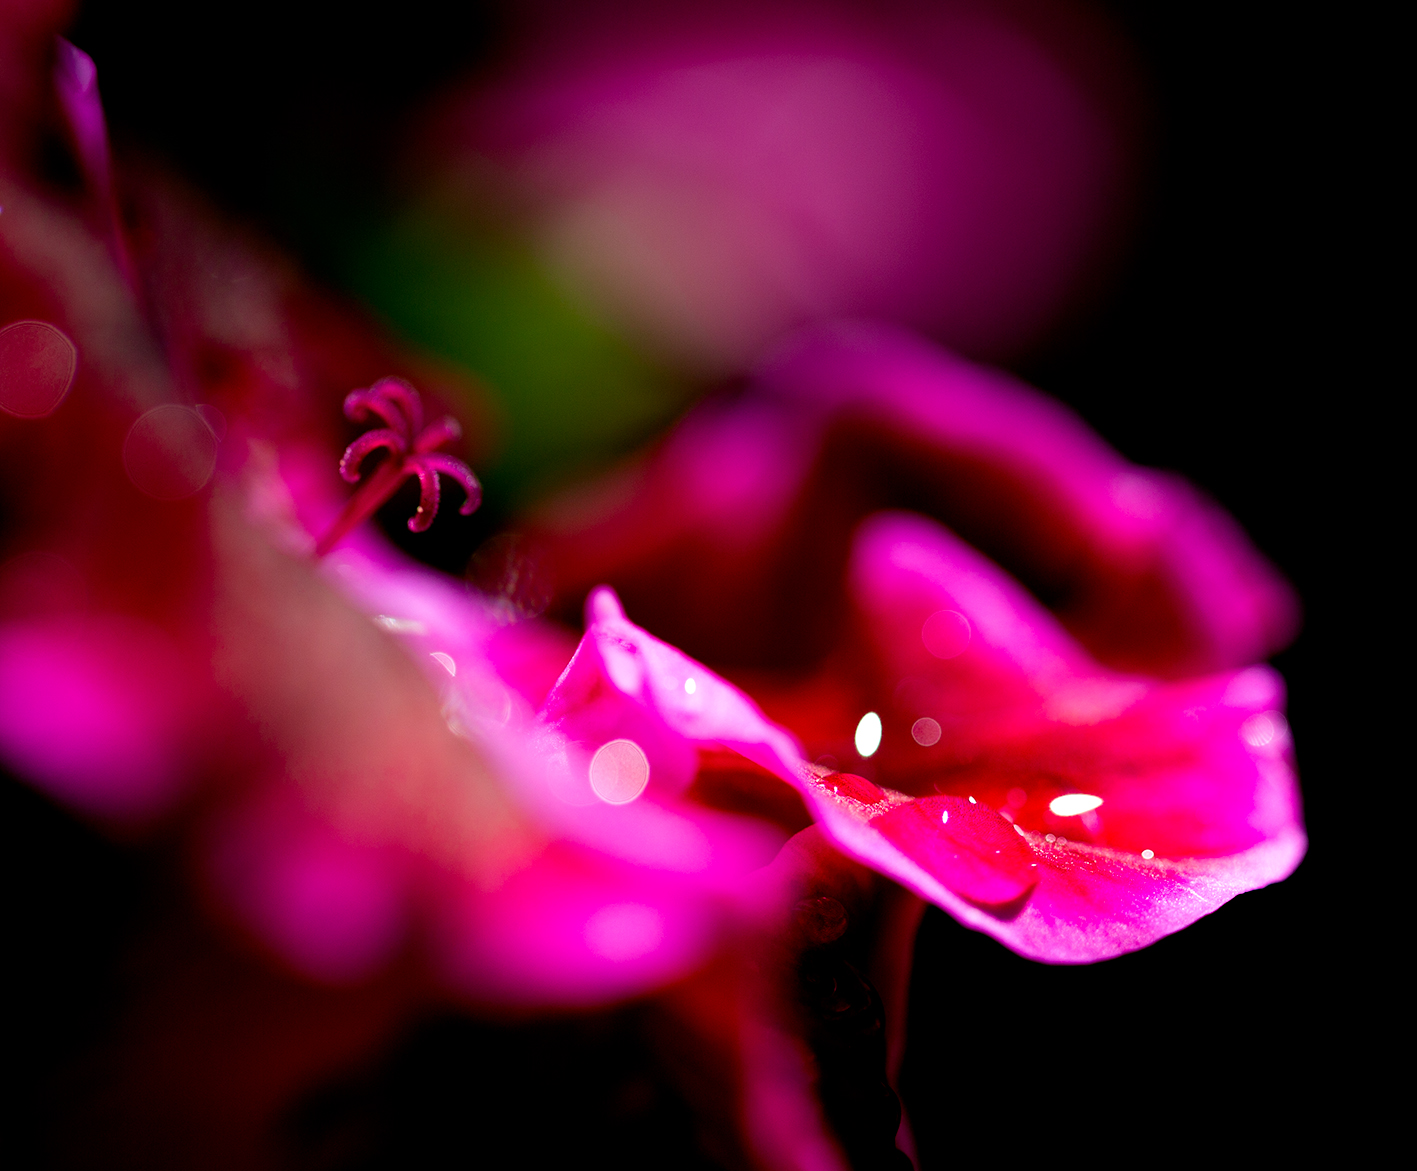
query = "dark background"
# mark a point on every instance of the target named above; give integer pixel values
(1248, 343)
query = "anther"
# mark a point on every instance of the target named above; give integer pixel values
(410, 446)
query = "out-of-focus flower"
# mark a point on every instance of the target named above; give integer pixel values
(637, 196)
(1072, 809)
(366, 765)
(718, 175)
(340, 811)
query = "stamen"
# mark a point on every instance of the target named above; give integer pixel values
(410, 453)
(76, 87)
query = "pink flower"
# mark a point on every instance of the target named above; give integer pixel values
(366, 764)
(1070, 808)
(709, 176)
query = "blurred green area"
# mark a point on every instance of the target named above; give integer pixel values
(571, 395)
(314, 152)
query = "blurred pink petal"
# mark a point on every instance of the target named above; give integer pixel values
(711, 536)
(1136, 531)
(92, 711)
(710, 176)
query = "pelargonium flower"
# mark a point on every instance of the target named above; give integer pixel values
(964, 741)
(366, 761)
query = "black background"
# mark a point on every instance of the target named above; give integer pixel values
(1248, 343)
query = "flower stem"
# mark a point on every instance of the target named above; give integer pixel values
(366, 501)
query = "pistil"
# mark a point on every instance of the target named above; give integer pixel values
(411, 452)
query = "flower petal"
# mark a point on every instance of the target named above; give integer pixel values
(1165, 581)
(968, 847)
(685, 697)
(710, 537)
(1192, 769)
(1198, 800)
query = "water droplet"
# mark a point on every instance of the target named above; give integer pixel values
(857, 788)
(1148, 854)
(868, 734)
(972, 801)
(446, 662)
(1074, 804)
(968, 848)
(619, 772)
(925, 731)
(690, 686)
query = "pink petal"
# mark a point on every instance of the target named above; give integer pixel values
(968, 847)
(332, 907)
(1073, 502)
(617, 661)
(710, 536)
(1198, 795)
(574, 928)
(1025, 717)
(615, 899)
(91, 711)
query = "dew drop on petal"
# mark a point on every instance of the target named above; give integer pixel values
(970, 849)
(854, 787)
(945, 634)
(1148, 854)
(446, 661)
(925, 731)
(868, 734)
(690, 686)
(37, 364)
(619, 772)
(1074, 804)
